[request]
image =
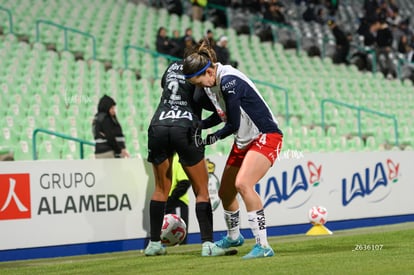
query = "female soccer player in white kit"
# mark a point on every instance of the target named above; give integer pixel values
(257, 141)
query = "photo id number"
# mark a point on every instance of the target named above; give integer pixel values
(368, 247)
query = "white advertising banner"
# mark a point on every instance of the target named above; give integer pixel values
(46, 203)
(349, 185)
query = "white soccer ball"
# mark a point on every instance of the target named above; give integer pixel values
(318, 215)
(173, 230)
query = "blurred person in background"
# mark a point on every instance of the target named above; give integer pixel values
(165, 45)
(107, 131)
(210, 37)
(223, 53)
(342, 43)
(178, 199)
(197, 9)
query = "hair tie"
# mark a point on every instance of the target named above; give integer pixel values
(187, 76)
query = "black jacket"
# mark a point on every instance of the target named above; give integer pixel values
(106, 129)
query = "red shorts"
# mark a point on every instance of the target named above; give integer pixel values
(268, 145)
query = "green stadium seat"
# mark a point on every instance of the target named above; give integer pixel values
(355, 143)
(371, 144)
(49, 150)
(9, 122)
(325, 144)
(23, 151)
(37, 83)
(316, 131)
(9, 137)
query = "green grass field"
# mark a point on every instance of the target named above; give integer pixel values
(391, 251)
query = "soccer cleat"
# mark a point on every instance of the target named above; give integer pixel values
(210, 249)
(155, 249)
(226, 242)
(259, 251)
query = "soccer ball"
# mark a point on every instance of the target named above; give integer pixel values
(318, 215)
(173, 230)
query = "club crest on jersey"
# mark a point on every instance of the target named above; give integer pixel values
(172, 114)
(228, 85)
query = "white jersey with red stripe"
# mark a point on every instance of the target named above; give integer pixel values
(240, 105)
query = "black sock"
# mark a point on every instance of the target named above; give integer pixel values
(157, 209)
(205, 220)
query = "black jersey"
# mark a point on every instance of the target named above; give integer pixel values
(176, 107)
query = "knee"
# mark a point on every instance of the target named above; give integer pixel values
(227, 195)
(222, 194)
(241, 186)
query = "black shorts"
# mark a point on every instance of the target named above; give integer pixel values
(164, 141)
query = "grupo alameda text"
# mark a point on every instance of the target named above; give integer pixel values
(77, 203)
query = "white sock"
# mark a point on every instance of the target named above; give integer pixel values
(257, 224)
(232, 219)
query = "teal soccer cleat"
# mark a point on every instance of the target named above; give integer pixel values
(155, 249)
(226, 242)
(210, 249)
(259, 251)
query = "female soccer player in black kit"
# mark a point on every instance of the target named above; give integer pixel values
(172, 130)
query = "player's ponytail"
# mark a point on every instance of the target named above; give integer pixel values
(198, 59)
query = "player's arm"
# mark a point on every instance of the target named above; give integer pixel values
(232, 96)
(202, 100)
(211, 121)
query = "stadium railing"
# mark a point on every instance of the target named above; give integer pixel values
(359, 109)
(81, 142)
(65, 33)
(155, 55)
(278, 88)
(10, 16)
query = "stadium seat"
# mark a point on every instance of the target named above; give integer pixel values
(371, 144)
(23, 151)
(49, 150)
(37, 84)
(10, 137)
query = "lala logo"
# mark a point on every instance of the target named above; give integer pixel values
(293, 188)
(15, 196)
(373, 183)
(314, 173)
(392, 170)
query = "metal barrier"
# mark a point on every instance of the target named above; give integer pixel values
(278, 88)
(277, 25)
(359, 110)
(9, 14)
(155, 55)
(65, 33)
(41, 130)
